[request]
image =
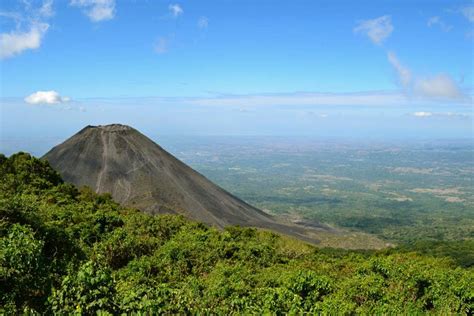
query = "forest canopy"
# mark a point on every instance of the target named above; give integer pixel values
(68, 250)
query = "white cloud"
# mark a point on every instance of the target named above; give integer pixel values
(46, 97)
(29, 30)
(15, 42)
(203, 22)
(96, 10)
(175, 9)
(439, 86)
(422, 114)
(161, 45)
(403, 73)
(448, 115)
(377, 29)
(468, 13)
(436, 20)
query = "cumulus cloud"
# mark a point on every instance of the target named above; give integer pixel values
(15, 42)
(436, 21)
(440, 86)
(175, 10)
(203, 22)
(29, 31)
(46, 97)
(96, 10)
(161, 45)
(377, 29)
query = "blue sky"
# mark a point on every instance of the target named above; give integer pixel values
(322, 68)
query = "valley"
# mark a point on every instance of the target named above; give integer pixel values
(403, 192)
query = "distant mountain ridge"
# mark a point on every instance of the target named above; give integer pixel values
(138, 173)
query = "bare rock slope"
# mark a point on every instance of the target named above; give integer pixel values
(137, 172)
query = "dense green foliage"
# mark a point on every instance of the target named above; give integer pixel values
(66, 251)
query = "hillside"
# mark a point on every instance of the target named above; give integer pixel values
(68, 251)
(119, 160)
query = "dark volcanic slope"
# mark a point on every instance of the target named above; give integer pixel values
(137, 172)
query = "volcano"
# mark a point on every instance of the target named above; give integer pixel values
(138, 173)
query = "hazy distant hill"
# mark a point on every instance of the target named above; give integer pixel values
(137, 172)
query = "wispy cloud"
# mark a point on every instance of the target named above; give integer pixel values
(422, 114)
(452, 115)
(46, 97)
(316, 114)
(290, 99)
(46, 10)
(403, 73)
(31, 26)
(377, 29)
(440, 86)
(318, 102)
(437, 21)
(175, 10)
(367, 98)
(203, 22)
(96, 10)
(161, 45)
(468, 12)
